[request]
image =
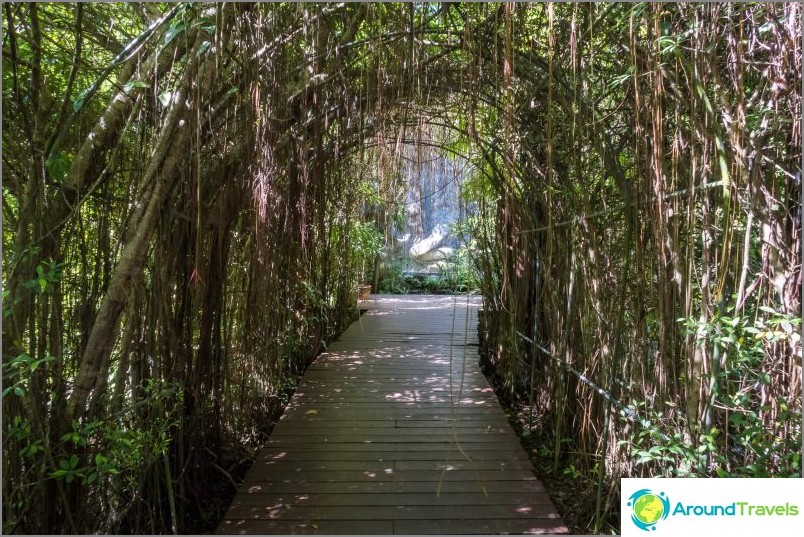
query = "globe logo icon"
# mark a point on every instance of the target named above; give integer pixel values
(648, 508)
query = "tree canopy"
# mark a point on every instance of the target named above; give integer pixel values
(186, 188)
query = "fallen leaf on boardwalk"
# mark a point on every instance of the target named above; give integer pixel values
(311, 412)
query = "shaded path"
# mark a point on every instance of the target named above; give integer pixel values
(378, 440)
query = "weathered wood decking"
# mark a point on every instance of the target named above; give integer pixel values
(395, 430)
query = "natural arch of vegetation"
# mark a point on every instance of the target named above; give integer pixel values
(183, 190)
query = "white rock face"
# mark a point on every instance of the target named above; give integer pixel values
(435, 255)
(439, 266)
(432, 205)
(426, 249)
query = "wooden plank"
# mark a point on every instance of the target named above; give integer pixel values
(548, 526)
(456, 390)
(368, 444)
(463, 465)
(446, 454)
(394, 499)
(352, 367)
(393, 413)
(454, 373)
(421, 426)
(261, 472)
(339, 437)
(311, 527)
(440, 365)
(385, 512)
(388, 487)
(467, 388)
(286, 429)
(392, 397)
(389, 446)
(358, 407)
(394, 387)
(395, 464)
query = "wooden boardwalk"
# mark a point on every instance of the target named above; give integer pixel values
(395, 430)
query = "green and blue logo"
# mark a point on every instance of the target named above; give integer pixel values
(648, 508)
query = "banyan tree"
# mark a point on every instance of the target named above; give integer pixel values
(184, 186)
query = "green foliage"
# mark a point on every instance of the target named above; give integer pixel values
(666, 450)
(465, 271)
(393, 280)
(104, 448)
(668, 455)
(458, 275)
(737, 444)
(579, 237)
(95, 452)
(368, 193)
(17, 373)
(57, 166)
(365, 242)
(47, 274)
(448, 282)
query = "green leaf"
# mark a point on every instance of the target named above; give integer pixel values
(134, 84)
(666, 44)
(203, 48)
(73, 461)
(736, 418)
(78, 102)
(7, 390)
(174, 31)
(57, 166)
(19, 391)
(91, 478)
(724, 170)
(164, 98)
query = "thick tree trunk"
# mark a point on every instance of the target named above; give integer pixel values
(161, 169)
(108, 128)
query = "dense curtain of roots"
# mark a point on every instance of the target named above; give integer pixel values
(179, 216)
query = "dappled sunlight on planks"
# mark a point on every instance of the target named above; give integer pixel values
(395, 430)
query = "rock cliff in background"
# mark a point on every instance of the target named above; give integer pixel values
(433, 205)
(423, 249)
